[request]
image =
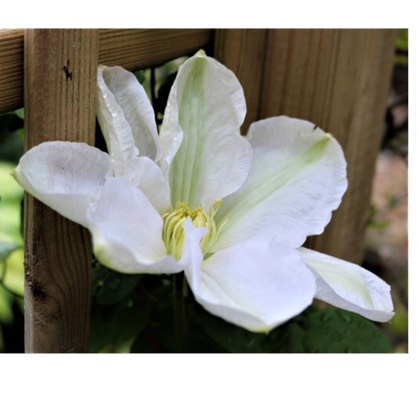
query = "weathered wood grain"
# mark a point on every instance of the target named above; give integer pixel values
(58, 253)
(142, 48)
(130, 48)
(338, 79)
(11, 69)
(243, 52)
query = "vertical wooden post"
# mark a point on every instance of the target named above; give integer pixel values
(243, 52)
(60, 83)
(339, 80)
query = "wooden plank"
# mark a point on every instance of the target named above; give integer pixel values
(11, 69)
(141, 48)
(339, 79)
(57, 252)
(130, 48)
(243, 52)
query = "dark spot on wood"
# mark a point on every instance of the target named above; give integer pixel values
(66, 69)
(38, 291)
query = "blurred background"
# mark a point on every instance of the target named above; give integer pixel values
(387, 233)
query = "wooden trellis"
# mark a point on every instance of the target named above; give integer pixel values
(338, 79)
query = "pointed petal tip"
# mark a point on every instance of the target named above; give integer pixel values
(200, 53)
(350, 287)
(213, 159)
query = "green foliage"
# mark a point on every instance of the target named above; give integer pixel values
(329, 330)
(157, 83)
(11, 252)
(11, 137)
(114, 318)
(136, 313)
(20, 113)
(113, 328)
(123, 306)
(11, 273)
(402, 40)
(111, 287)
(6, 249)
(401, 57)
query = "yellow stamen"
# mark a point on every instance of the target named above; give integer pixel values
(173, 230)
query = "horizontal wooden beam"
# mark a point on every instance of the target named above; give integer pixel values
(141, 48)
(11, 69)
(130, 48)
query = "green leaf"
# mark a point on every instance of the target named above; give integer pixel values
(12, 271)
(333, 330)
(156, 339)
(402, 40)
(329, 330)
(231, 338)
(128, 322)
(11, 139)
(111, 287)
(159, 334)
(141, 76)
(100, 334)
(20, 113)
(114, 327)
(10, 205)
(163, 93)
(6, 300)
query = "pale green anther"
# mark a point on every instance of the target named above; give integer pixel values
(173, 230)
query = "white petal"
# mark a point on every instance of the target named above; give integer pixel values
(200, 132)
(127, 231)
(350, 287)
(257, 284)
(65, 176)
(126, 117)
(297, 178)
(149, 178)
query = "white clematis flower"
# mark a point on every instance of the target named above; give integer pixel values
(232, 212)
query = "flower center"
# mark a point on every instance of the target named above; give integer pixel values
(173, 230)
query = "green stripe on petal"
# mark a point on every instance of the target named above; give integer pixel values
(200, 132)
(297, 178)
(349, 286)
